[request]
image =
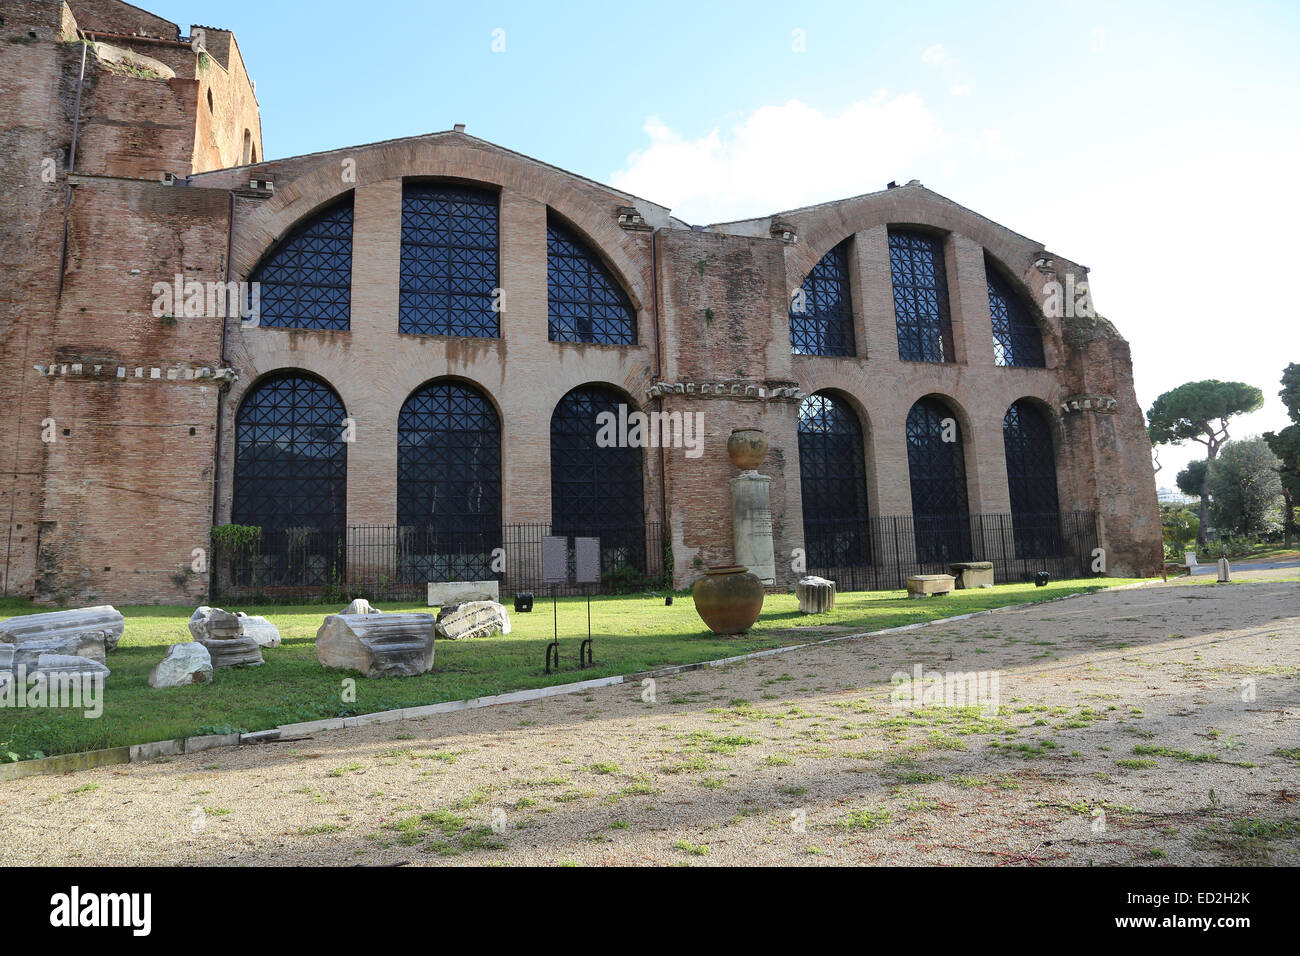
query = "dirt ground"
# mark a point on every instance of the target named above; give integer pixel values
(1158, 725)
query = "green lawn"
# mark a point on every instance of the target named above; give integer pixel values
(633, 633)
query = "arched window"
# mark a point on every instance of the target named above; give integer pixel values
(833, 483)
(1031, 479)
(448, 482)
(306, 280)
(821, 312)
(291, 478)
(921, 308)
(937, 468)
(584, 302)
(596, 491)
(248, 147)
(1016, 338)
(448, 283)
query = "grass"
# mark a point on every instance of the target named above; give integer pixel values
(1259, 552)
(632, 633)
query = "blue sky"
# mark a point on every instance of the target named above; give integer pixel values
(1156, 143)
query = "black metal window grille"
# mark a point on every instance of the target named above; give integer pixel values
(833, 483)
(596, 491)
(306, 281)
(584, 302)
(291, 467)
(448, 282)
(448, 483)
(1016, 338)
(937, 469)
(821, 314)
(291, 459)
(921, 308)
(1031, 479)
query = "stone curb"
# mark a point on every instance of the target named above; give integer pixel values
(137, 753)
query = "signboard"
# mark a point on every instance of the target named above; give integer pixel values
(555, 560)
(586, 560)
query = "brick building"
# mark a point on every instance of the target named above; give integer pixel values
(436, 321)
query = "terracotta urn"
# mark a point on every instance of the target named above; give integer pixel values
(728, 599)
(747, 448)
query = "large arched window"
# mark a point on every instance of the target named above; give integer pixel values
(921, 308)
(448, 283)
(584, 302)
(305, 282)
(833, 483)
(596, 485)
(1016, 338)
(448, 482)
(821, 312)
(1031, 480)
(291, 478)
(937, 468)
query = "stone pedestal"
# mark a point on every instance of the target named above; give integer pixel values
(816, 595)
(751, 520)
(972, 574)
(929, 585)
(378, 645)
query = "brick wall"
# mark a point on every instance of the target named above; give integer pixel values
(112, 508)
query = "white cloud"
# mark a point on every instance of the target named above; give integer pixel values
(935, 54)
(961, 89)
(781, 157)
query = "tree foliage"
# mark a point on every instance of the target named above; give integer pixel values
(1191, 479)
(1290, 393)
(1180, 524)
(1246, 490)
(1286, 445)
(1199, 411)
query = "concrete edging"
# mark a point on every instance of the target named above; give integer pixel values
(138, 753)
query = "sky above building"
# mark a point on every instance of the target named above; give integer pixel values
(1157, 144)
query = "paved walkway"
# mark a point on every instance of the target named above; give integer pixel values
(1251, 566)
(1155, 725)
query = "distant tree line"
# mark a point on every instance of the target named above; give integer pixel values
(1248, 488)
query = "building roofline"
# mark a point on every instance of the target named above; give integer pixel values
(432, 135)
(673, 220)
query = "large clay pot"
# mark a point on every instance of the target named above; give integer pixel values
(747, 448)
(728, 599)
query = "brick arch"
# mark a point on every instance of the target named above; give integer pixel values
(240, 390)
(967, 423)
(1049, 412)
(820, 228)
(458, 379)
(845, 388)
(621, 278)
(589, 208)
(1053, 347)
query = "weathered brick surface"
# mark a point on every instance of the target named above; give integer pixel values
(111, 509)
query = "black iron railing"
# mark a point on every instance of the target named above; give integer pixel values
(396, 563)
(879, 553)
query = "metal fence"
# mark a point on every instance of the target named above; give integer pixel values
(395, 563)
(879, 553)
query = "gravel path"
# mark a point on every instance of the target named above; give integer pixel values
(1157, 725)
